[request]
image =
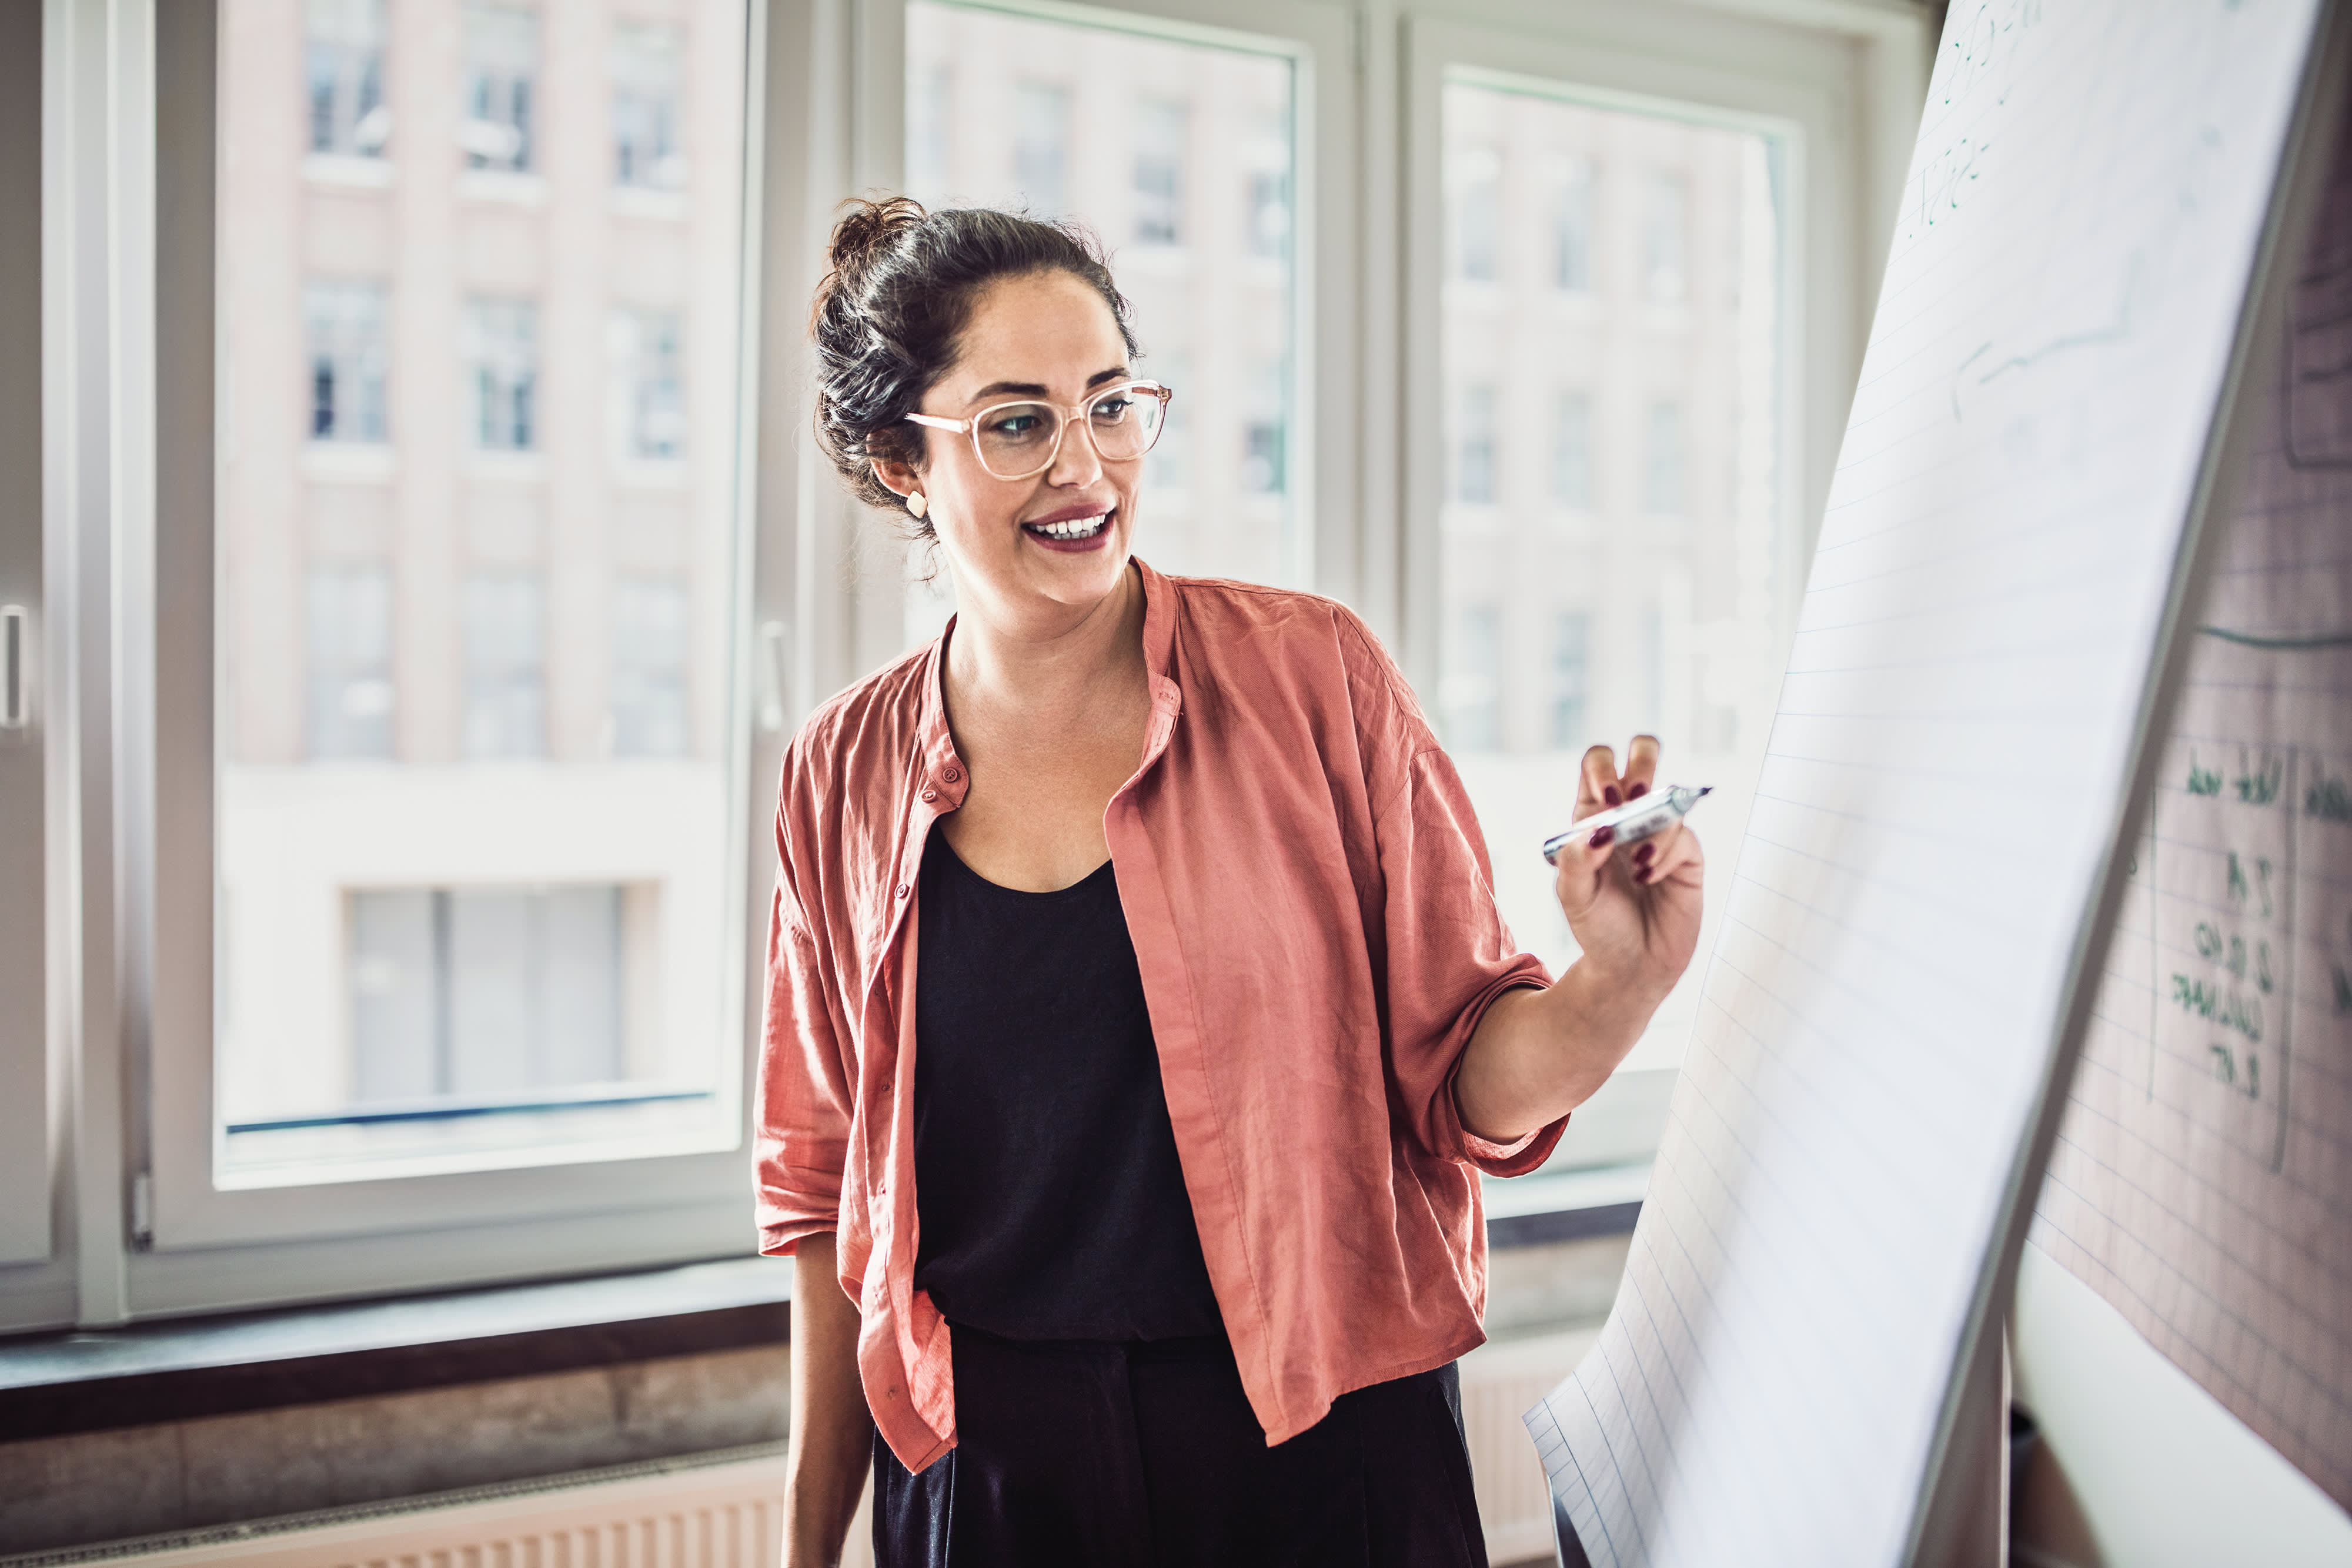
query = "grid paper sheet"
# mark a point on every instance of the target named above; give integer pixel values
(2202, 1181)
(2083, 210)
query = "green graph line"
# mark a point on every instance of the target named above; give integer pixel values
(2285, 644)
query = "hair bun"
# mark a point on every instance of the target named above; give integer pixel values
(865, 232)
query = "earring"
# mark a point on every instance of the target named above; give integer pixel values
(916, 504)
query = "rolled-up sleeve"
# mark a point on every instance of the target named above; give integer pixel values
(1449, 956)
(801, 1142)
(1448, 952)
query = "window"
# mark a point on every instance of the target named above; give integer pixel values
(1192, 181)
(455, 942)
(1571, 269)
(1666, 220)
(350, 358)
(503, 350)
(422, 1017)
(1041, 147)
(651, 656)
(476, 996)
(1473, 467)
(1476, 172)
(504, 622)
(1648, 631)
(343, 60)
(1571, 451)
(1474, 694)
(647, 72)
(1161, 127)
(1661, 463)
(1572, 665)
(502, 107)
(348, 611)
(646, 349)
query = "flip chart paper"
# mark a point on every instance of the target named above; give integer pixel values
(1942, 785)
(2203, 1179)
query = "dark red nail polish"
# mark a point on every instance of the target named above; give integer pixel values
(1601, 837)
(1636, 787)
(1641, 856)
(1609, 793)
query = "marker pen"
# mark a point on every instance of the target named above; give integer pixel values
(1643, 817)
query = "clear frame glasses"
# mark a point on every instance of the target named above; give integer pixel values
(1015, 440)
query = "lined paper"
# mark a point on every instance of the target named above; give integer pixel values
(2080, 220)
(2202, 1180)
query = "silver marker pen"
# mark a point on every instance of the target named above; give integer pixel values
(1644, 817)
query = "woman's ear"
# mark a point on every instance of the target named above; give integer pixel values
(900, 479)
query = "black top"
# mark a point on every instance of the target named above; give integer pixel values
(1045, 1173)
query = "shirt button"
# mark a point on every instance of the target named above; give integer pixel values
(902, 890)
(931, 794)
(952, 773)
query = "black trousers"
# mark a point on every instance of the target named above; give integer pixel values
(1085, 1452)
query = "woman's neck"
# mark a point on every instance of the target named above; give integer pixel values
(1053, 671)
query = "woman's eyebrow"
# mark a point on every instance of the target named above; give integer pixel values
(1032, 389)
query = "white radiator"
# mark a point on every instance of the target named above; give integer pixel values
(1499, 1383)
(715, 1515)
(727, 1511)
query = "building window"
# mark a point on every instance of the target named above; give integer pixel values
(347, 611)
(645, 347)
(1162, 128)
(483, 993)
(504, 618)
(1571, 451)
(1573, 234)
(1041, 147)
(1477, 173)
(342, 58)
(350, 357)
(930, 111)
(648, 75)
(1474, 709)
(503, 350)
(501, 64)
(1662, 493)
(1265, 435)
(1473, 461)
(1269, 212)
(649, 667)
(1169, 464)
(1665, 222)
(1571, 671)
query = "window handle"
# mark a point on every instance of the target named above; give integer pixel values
(15, 678)
(772, 639)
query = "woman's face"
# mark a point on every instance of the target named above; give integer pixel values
(1028, 552)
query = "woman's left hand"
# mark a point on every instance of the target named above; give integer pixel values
(1634, 911)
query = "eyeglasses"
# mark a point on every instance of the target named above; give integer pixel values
(1015, 440)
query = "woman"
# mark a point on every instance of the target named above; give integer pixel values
(1137, 1221)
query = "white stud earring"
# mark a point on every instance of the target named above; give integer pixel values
(916, 504)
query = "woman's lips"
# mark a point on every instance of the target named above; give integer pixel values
(1071, 535)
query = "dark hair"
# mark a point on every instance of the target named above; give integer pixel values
(898, 292)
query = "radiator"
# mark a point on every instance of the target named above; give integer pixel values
(1499, 1383)
(727, 1510)
(722, 1514)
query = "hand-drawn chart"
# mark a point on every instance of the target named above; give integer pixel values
(2202, 1181)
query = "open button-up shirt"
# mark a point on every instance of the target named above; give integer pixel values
(1314, 919)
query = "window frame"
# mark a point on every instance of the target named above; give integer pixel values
(194, 1244)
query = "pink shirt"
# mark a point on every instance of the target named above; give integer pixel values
(1314, 918)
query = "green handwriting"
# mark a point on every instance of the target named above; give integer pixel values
(2225, 1067)
(2329, 799)
(2259, 786)
(2203, 780)
(2217, 1003)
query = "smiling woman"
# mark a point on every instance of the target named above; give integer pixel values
(1141, 1221)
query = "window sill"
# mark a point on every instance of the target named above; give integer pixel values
(1568, 1206)
(53, 1384)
